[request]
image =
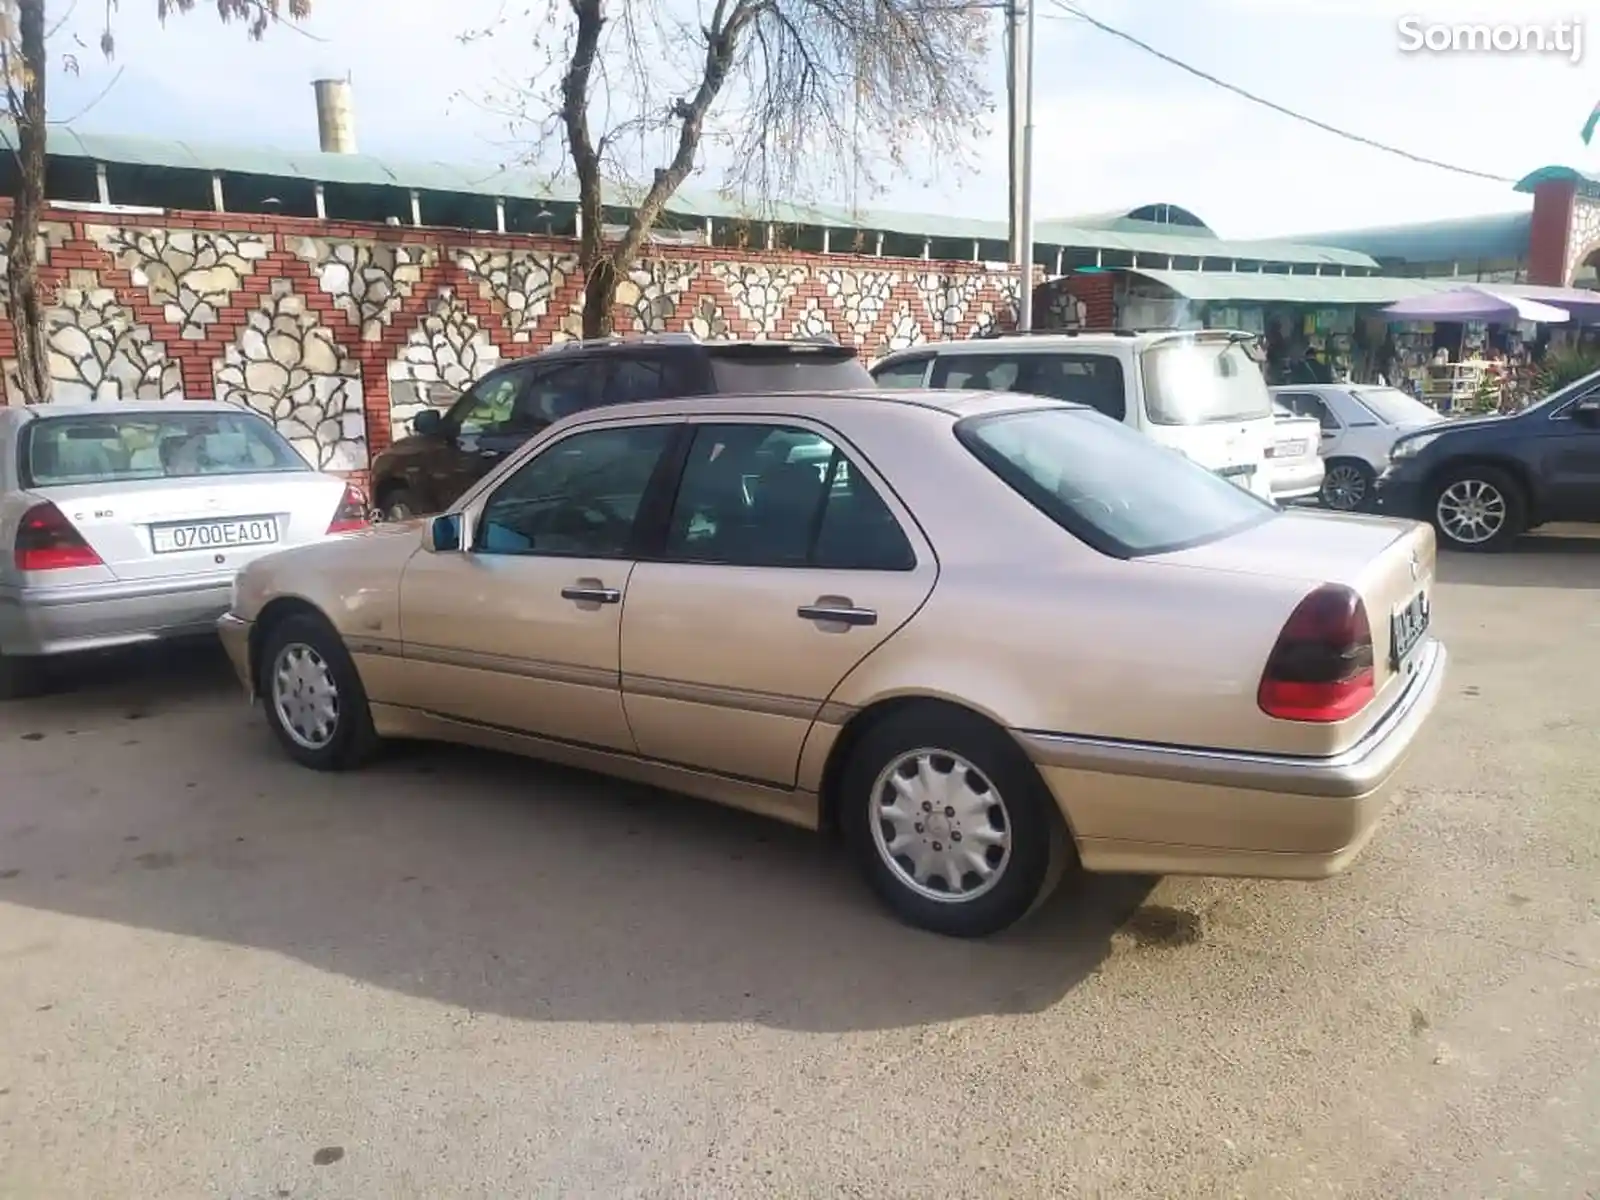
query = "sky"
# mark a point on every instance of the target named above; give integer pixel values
(1114, 127)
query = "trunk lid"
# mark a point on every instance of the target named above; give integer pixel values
(201, 525)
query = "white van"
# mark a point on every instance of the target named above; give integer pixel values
(1198, 391)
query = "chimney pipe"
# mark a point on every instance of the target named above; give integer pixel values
(336, 116)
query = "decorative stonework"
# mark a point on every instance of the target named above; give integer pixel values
(904, 329)
(859, 297)
(191, 274)
(813, 322)
(761, 293)
(369, 281)
(654, 291)
(521, 284)
(287, 366)
(51, 237)
(707, 321)
(98, 352)
(1583, 237)
(947, 299)
(446, 351)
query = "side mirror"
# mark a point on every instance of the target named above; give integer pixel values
(427, 423)
(1587, 413)
(444, 534)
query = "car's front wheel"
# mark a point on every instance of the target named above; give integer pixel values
(1479, 508)
(313, 695)
(950, 822)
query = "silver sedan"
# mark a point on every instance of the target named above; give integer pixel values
(126, 523)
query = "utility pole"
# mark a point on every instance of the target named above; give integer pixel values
(1019, 89)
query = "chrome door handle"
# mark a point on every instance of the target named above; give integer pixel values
(837, 614)
(585, 594)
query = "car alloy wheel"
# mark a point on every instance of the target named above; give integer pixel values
(940, 826)
(1345, 487)
(1472, 511)
(305, 696)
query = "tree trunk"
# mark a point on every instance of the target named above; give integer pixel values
(22, 268)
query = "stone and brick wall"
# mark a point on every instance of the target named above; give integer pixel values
(340, 332)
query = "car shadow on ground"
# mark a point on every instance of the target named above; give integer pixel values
(1541, 560)
(494, 883)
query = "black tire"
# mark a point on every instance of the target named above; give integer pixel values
(1485, 483)
(20, 677)
(1338, 499)
(400, 504)
(1039, 848)
(352, 740)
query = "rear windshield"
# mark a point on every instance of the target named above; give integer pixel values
(1115, 489)
(1189, 382)
(788, 371)
(127, 446)
(1394, 407)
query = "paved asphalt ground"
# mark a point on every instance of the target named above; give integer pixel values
(458, 976)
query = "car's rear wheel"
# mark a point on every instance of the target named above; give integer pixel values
(20, 677)
(400, 504)
(950, 823)
(1479, 508)
(313, 695)
(1347, 486)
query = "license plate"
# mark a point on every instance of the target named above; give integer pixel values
(1407, 626)
(1242, 471)
(1291, 449)
(214, 535)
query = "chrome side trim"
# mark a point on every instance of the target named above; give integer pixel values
(1355, 772)
(380, 647)
(506, 664)
(767, 703)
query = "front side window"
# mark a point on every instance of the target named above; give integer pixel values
(1115, 489)
(152, 445)
(577, 498)
(1203, 381)
(907, 373)
(487, 408)
(778, 496)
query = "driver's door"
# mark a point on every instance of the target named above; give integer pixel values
(1571, 453)
(522, 630)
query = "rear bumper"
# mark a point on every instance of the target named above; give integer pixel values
(1169, 810)
(64, 620)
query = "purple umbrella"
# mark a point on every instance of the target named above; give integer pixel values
(1476, 304)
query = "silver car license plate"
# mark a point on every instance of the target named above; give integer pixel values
(1407, 626)
(214, 535)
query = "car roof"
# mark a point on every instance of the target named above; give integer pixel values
(1056, 339)
(956, 404)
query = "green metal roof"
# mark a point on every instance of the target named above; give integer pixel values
(1463, 239)
(1127, 221)
(1553, 174)
(1139, 237)
(1332, 290)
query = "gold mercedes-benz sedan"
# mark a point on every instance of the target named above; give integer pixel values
(986, 637)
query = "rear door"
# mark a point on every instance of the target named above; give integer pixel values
(1571, 454)
(1309, 404)
(785, 562)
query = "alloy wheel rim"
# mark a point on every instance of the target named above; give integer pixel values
(940, 826)
(1471, 511)
(305, 696)
(1345, 488)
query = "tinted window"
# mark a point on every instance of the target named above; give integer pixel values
(1305, 404)
(556, 391)
(983, 373)
(127, 446)
(648, 378)
(782, 369)
(1091, 379)
(1116, 489)
(762, 495)
(578, 498)
(907, 373)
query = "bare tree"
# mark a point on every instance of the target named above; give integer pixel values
(799, 94)
(23, 64)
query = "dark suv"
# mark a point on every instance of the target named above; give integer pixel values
(1484, 481)
(447, 452)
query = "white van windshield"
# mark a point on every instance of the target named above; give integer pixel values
(1203, 382)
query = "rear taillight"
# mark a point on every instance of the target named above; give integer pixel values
(1321, 668)
(352, 515)
(47, 541)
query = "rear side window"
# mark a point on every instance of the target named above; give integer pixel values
(1115, 489)
(648, 377)
(906, 373)
(977, 372)
(1094, 380)
(130, 446)
(754, 369)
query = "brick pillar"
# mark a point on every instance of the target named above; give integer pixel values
(1550, 232)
